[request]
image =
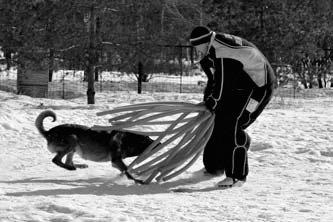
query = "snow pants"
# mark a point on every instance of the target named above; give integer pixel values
(227, 148)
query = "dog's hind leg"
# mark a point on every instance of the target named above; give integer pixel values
(69, 151)
(72, 140)
(69, 161)
(58, 161)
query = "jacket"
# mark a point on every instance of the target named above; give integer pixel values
(227, 54)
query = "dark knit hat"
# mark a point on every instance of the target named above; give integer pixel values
(200, 35)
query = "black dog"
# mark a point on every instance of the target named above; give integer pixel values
(98, 146)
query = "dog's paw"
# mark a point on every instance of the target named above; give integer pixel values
(131, 177)
(141, 182)
(81, 166)
(69, 167)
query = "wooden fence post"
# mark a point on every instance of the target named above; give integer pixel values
(140, 77)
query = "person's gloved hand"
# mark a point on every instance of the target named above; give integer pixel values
(210, 103)
(206, 62)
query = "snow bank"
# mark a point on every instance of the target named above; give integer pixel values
(290, 169)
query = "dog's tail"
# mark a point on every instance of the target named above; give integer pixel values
(40, 118)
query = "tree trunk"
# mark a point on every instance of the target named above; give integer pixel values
(162, 17)
(91, 57)
(51, 64)
(96, 74)
(310, 80)
(324, 80)
(8, 57)
(140, 76)
(91, 87)
(320, 83)
(181, 68)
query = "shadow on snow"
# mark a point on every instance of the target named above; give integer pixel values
(103, 186)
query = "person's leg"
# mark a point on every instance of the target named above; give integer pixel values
(227, 135)
(213, 153)
(236, 142)
(211, 158)
(239, 158)
(216, 151)
(222, 140)
(262, 96)
(237, 161)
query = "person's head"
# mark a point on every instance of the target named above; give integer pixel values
(200, 38)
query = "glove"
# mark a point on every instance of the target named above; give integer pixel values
(210, 103)
(208, 90)
(206, 62)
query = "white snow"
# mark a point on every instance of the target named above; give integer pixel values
(290, 176)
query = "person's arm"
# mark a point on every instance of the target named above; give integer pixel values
(205, 64)
(216, 94)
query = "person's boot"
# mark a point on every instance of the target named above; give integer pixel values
(229, 182)
(214, 173)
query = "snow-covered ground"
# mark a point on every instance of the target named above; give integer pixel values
(291, 168)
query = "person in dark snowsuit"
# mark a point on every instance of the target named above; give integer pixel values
(240, 85)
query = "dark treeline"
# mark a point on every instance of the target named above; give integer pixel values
(119, 35)
(295, 35)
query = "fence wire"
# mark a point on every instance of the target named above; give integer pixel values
(70, 84)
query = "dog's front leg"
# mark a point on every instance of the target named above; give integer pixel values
(129, 176)
(58, 161)
(120, 165)
(69, 161)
